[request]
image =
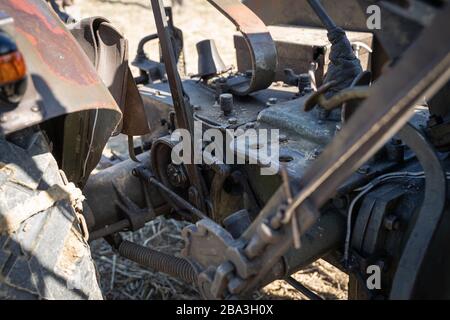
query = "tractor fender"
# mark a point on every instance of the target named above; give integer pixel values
(61, 78)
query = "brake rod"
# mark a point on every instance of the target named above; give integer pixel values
(145, 174)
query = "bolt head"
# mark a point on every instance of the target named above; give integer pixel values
(283, 138)
(272, 100)
(391, 222)
(250, 125)
(364, 169)
(232, 121)
(177, 176)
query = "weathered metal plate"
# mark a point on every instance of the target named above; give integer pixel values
(61, 77)
(298, 46)
(260, 44)
(346, 13)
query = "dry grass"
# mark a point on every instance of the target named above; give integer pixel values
(122, 279)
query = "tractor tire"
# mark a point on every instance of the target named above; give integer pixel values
(43, 250)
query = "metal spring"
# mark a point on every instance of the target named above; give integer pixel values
(158, 261)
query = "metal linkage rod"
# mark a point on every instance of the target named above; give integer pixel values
(322, 14)
(302, 289)
(147, 176)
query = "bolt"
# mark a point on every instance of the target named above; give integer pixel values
(197, 107)
(226, 103)
(250, 125)
(35, 108)
(232, 121)
(303, 82)
(272, 100)
(176, 176)
(307, 90)
(365, 169)
(391, 222)
(315, 154)
(283, 138)
(3, 118)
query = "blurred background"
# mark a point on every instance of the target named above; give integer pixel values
(120, 278)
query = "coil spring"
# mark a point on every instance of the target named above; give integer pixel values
(158, 261)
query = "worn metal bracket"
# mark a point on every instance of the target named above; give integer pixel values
(260, 43)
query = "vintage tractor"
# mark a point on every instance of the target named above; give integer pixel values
(356, 171)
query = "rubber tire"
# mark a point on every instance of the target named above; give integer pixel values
(47, 256)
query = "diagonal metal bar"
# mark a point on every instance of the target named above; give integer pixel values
(182, 107)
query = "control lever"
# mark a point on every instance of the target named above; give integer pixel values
(181, 104)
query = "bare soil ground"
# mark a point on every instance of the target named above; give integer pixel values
(122, 279)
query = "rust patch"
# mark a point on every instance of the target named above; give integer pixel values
(53, 43)
(241, 16)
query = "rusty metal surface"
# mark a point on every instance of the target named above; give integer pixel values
(298, 46)
(259, 41)
(61, 77)
(159, 103)
(103, 188)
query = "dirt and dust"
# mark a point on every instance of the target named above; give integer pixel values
(122, 279)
